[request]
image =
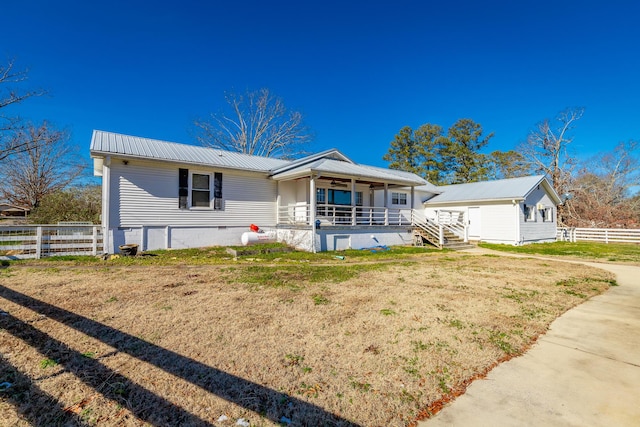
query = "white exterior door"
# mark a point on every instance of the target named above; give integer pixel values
(474, 223)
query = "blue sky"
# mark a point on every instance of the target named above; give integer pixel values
(358, 70)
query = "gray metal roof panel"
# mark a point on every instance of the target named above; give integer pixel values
(513, 188)
(331, 153)
(133, 146)
(109, 143)
(325, 165)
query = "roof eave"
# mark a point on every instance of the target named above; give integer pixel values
(103, 154)
(468, 201)
(305, 173)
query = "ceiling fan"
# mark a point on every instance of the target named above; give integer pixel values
(338, 184)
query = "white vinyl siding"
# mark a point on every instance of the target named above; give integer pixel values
(149, 196)
(538, 230)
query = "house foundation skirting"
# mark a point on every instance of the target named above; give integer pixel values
(175, 237)
(330, 238)
(337, 238)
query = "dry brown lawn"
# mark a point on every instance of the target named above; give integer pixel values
(283, 342)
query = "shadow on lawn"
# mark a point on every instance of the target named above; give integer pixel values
(143, 403)
(36, 406)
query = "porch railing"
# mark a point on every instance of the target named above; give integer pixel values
(454, 222)
(298, 214)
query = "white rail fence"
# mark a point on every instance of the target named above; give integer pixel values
(39, 241)
(606, 235)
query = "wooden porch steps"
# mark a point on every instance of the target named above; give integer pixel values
(451, 240)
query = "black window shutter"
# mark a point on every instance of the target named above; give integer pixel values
(183, 188)
(217, 190)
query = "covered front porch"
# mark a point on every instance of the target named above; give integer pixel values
(328, 202)
(333, 201)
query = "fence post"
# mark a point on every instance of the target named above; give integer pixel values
(38, 242)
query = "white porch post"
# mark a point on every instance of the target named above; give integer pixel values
(386, 203)
(277, 202)
(353, 201)
(312, 211)
(412, 199)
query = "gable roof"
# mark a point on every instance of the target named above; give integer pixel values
(108, 143)
(330, 161)
(348, 169)
(502, 189)
(327, 154)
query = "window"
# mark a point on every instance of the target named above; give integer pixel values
(194, 190)
(321, 195)
(398, 198)
(529, 213)
(200, 191)
(339, 197)
(547, 214)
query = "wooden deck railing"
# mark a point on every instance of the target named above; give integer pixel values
(334, 215)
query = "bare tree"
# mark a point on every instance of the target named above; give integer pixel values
(10, 126)
(545, 151)
(602, 190)
(45, 164)
(257, 123)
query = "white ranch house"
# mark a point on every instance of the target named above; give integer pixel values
(163, 195)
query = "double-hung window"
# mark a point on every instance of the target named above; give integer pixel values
(529, 213)
(199, 190)
(398, 198)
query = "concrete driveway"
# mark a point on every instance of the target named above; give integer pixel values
(585, 371)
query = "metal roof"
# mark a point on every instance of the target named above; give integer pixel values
(329, 161)
(328, 154)
(502, 189)
(349, 169)
(108, 143)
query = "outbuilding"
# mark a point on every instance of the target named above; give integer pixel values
(512, 211)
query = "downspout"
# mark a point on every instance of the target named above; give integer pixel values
(106, 203)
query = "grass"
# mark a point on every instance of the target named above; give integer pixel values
(219, 256)
(611, 252)
(373, 339)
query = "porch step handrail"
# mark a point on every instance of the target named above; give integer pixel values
(426, 228)
(454, 222)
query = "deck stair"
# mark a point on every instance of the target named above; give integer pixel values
(428, 231)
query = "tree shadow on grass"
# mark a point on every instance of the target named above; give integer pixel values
(143, 403)
(32, 403)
